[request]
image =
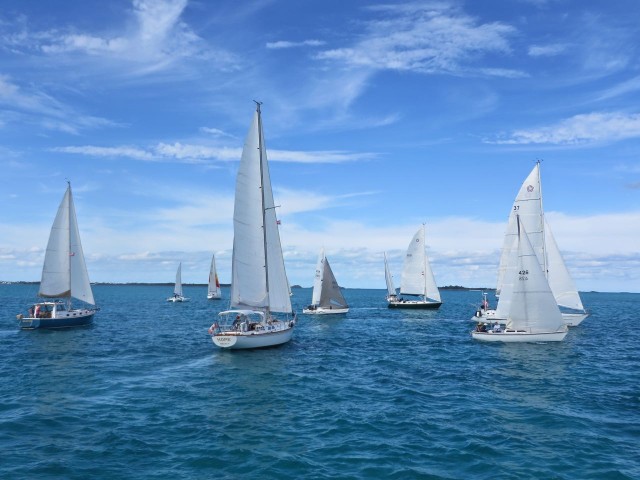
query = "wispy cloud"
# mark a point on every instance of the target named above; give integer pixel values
(152, 39)
(40, 108)
(190, 153)
(579, 130)
(547, 50)
(282, 44)
(426, 38)
(629, 86)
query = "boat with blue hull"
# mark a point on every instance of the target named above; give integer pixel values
(64, 277)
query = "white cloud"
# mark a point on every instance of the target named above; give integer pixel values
(42, 109)
(431, 38)
(189, 153)
(281, 44)
(547, 50)
(579, 130)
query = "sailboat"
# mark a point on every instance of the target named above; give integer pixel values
(327, 297)
(417, 277)
(177, 290)
(392, 294)
(64, 276)
(532, 313)
(213, 291)
(259, 285)
(528, 207)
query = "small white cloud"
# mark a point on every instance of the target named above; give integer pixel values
(286, 44)
(579, 130)
(547, 50)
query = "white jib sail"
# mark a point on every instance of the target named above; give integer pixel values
(560, 281)
(64, 273)
(533, 307)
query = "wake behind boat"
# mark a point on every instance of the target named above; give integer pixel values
(417, 278)
(259, 285)
(64, 276)
(327, 298)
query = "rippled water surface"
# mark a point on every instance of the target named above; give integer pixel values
(378, 393)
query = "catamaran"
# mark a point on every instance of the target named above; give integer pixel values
(177, 290)
(64, 276)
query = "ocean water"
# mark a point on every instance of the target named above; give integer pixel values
(378, 393)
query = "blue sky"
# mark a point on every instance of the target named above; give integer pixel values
(378, 117)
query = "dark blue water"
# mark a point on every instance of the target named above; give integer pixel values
(379, 393)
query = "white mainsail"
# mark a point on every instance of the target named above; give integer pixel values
(213, 289)
(178, 288)
(256, 241)
(528, 206)
(532, 305)
(417, 277)
(560, 281)
(391, 289)
(317, 280)
(64, 273)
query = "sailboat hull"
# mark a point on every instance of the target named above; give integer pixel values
(518, 337)
(177, 299)
(415, 304)
(324, 311)
(569, 319)
(213, 296)
(247, 340)
(73, 318)
(574, 319)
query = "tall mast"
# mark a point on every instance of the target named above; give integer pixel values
(264, 210)
(424, 264)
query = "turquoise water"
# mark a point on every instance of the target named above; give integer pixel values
(379, 393)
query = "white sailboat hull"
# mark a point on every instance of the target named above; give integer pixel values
(569, 319)
(214, 296)
(177, 299)
(511, 336)
(574, 319)
(243, 340)
(324, 311)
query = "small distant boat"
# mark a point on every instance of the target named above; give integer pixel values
(528, 207)
(177, 291)
(64, 276)
(327, 298)
(417, 278)
(213, 291)
(392, 294)
(532, 313)
(259, 285)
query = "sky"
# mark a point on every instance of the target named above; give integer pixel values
(378, 117)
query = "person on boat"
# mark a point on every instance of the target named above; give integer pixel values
(30, 311)
(496, 328)
(36, 312)
(479, 327)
